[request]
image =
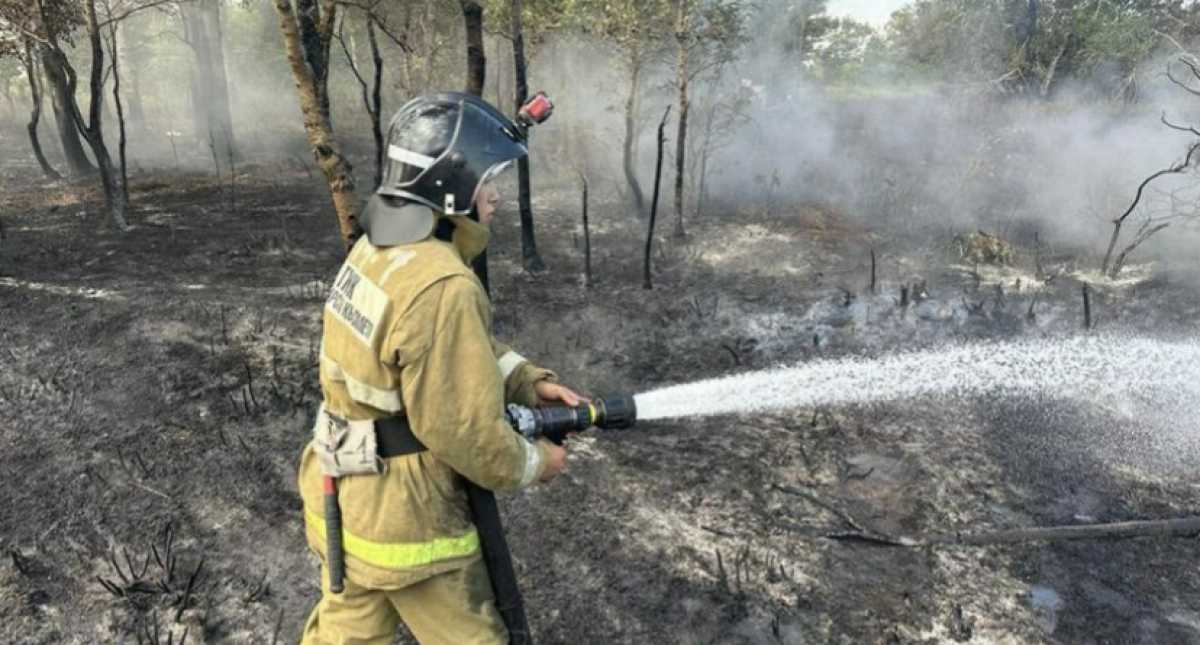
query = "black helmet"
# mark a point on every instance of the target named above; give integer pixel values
(441, 149)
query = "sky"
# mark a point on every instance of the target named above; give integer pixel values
(874, 11)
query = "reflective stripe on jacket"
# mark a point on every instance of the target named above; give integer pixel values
(407, 330)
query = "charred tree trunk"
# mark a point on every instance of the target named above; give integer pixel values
(371, 92)
(496, 73)
(529, 252)
(431, 40)
(93, 128)
(705, 150)
(310, 88)
(212, 118)
(662, 139)
(62, 97)
(681, 37)
(35, 112)
(476, 75)
(376, 99)
(476, 58)
(315, 19)
(1147, 230)
(629, 156)
(220, 113)
(587, 237)
(120, 108)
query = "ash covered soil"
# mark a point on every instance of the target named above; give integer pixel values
(155, 388)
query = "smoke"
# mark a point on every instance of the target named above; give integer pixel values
(890, 150)
(887, 148)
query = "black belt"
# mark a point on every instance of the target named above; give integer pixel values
(394, 437)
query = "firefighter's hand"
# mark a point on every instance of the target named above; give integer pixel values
(556, 460)
(547, 392)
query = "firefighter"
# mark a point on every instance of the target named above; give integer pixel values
(414, 387)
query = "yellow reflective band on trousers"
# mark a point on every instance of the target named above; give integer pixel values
(399, 555)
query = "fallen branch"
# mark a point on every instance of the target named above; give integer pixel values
(873, 539)
(1185, 526)
(716, 531)
(813, 499)
(1182, 527)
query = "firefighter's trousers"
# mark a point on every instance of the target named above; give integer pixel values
(456, 608)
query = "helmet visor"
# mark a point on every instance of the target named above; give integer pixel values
(490, 176)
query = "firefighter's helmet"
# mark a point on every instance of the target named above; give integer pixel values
(441, 148)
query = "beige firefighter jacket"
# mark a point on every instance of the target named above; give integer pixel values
(407, 330)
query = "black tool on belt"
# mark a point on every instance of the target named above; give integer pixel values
(393, 438)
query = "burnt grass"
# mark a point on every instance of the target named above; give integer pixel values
(156, 388)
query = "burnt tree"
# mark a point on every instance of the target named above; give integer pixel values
(211, 116)
(1112, 268)
(476, 75)
(476, 59)
(587, 236)
(29, 60)
(629, 149)
(122, 139)
(682, 38)
(647, 283)
(371, 92)
(57, 20)
(529, 252)
(92, 129)
(61, 97)
(307, 31)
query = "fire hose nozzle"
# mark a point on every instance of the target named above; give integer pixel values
(555, 423)
(616, 412)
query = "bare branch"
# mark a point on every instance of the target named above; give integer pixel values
(132, 10)
(340, 37)
(25, 31)
(1180, 83)
(1171, 39)
(1175, 169)
(381, 25)
(1191, 66)
(369, 8)
(1181, 128)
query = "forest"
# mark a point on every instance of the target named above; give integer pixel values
(932, 282)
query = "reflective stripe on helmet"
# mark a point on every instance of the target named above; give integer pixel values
(508, 363)
(398, 555)
(409, 157)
